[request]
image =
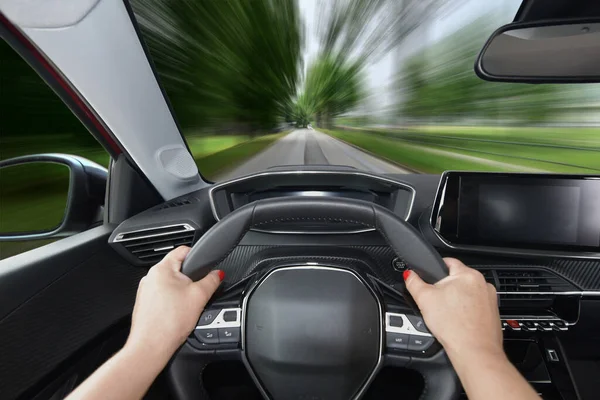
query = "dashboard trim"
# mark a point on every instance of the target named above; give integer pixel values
(311, 172)
(494, 250)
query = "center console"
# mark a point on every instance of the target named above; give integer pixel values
(541, 360)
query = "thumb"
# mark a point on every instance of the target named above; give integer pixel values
(416, 286)
(208, 285)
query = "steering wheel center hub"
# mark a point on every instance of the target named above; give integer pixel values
(313, 333)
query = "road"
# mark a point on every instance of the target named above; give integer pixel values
(309, 147)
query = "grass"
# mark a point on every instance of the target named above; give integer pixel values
(484, 148)
(213, 165)
(202, 146)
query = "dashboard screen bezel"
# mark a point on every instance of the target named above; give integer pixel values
(445, 216)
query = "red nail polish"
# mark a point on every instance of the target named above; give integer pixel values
(221, 275)
(406, 274)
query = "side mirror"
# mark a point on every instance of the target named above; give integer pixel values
(49, 196)
(542, 52)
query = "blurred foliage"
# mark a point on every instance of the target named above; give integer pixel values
(354, 34)
(231, 64)
(332, 87)
(439, 84)
(29, 107)
(45, 190)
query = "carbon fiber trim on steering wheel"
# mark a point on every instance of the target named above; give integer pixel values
(243, 260)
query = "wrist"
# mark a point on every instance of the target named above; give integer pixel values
(143, 351)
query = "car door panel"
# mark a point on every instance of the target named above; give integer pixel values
(56, 299)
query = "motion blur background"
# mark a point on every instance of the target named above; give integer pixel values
(380, 85)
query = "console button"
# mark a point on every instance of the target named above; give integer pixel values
(397, 340)
(514, 324)
(229, 316)
(419, 343)
(396, 321)
(418, 323)
(559, 325)
(529, 326)
(229, 335)
(208, 317)
(207, 336)
(545, 325)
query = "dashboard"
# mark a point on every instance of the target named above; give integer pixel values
(530, 235)
(536, 238)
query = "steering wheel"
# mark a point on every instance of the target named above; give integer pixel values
(318, 330)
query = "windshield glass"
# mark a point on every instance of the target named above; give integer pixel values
(384, 86)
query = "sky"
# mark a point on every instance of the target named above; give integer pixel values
(379, 76)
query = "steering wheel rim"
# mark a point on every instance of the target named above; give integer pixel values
(216, 244)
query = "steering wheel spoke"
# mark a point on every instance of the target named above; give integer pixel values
(441, 381)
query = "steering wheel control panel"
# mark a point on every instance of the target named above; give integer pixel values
(218, 327)
(407, 332)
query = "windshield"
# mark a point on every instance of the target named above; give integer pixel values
(382, 86)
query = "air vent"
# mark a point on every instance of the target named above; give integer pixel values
(531, 281)
(151, 245)
(526, 287)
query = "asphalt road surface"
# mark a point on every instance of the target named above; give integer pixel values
(309, 147)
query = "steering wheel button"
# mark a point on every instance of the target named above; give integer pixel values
(397, 340)
(207, 336)
(418, 323)
(229, 316)
(419, 343)
(396, 321)
(229, 335)
(208, 317)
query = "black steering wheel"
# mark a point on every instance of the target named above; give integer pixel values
(322, 330)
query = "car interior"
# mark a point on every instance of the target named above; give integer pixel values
(313, 305)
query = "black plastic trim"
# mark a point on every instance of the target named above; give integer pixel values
(481, 73)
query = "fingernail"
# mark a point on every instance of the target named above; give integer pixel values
(406, 274)
(221, 275)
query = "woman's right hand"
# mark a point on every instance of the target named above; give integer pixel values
(461, 311)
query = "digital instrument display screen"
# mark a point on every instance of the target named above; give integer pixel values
(547, 212)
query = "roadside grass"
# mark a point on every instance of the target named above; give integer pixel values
(526, 149)
(202, 146)
(212, 165)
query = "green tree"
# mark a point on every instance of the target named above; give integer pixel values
(355, 33)
(439, 84)
(227, 63)
(332, 87)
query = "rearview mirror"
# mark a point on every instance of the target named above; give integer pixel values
(543, 52)
(49, 196)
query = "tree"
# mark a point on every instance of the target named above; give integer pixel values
(225, 63)
(439, 83)
(332, 88)
(355, 34)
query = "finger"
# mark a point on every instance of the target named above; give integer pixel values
(174, 258)
(140, 284)
(492, 293)
(207, 286)
(454, 266)
(416, 286)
